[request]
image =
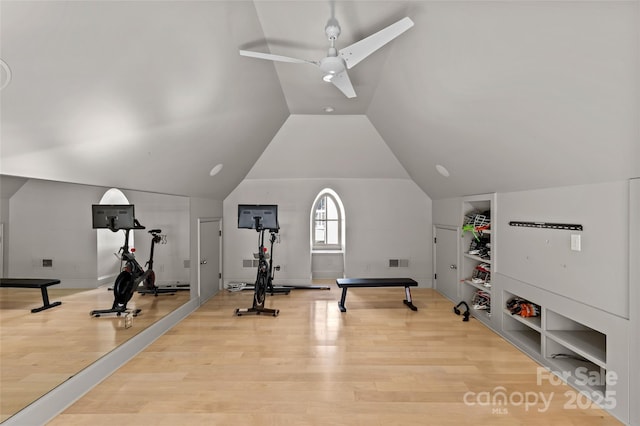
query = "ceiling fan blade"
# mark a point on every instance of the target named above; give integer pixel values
(359, 50)
(278, 58)
(342, 82)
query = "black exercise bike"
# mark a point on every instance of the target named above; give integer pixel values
(264, 278)
(131, 276)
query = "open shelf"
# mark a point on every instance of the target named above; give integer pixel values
(482, 315)
(582, 340)
(534, 323)
(522, 334)
(588, 344)
(478, 286)
(476, 258)
(579, 372)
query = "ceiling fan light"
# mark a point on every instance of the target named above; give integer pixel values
(328, 77)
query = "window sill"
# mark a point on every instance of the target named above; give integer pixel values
(316, 251)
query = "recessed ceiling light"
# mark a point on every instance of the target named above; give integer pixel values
(216, 169)
(328, 109)
(442, 170)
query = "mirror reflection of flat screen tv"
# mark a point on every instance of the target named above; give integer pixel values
(258, 216)
(113, 216)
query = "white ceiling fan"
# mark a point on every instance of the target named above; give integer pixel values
(334, 66)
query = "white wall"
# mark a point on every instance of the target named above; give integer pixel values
(335, 146)
(385, 219)
(447, 212)
(598, 275)
(52, 220)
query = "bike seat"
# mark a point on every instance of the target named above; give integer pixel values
(155, 231)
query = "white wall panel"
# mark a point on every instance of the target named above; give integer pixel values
(598, 275)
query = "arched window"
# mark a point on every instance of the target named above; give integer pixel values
(108, 242)
(327, 227)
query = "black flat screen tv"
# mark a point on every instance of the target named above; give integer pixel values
(113, 216)
(258, 216)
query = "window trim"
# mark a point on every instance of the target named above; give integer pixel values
(324, 248)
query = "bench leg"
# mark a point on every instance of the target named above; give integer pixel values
(342, 299)
(407, 301)
(45, 301)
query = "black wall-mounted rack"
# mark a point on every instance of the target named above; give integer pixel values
(562, 226)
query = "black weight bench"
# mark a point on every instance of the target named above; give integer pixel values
(346, 283)
(40, 283)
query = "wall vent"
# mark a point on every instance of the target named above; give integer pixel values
(398, 263)
(250, 263)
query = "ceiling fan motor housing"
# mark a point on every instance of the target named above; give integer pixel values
(332, 65)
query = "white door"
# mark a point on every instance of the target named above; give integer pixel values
(446, 264)
(209, 256)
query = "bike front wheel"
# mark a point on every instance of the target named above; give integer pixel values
(123, 290)
(260, 290)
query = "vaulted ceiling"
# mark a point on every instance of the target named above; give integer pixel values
(507, 95)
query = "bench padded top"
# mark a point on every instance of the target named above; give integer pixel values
(376, 282)
(27, 282)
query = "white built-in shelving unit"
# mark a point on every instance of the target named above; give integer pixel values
(583, 345)
(562, 344)
(468, 262)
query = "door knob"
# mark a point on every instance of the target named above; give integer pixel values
(203, 262)
(453, 266)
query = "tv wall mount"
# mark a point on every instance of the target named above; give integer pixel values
(547, 225)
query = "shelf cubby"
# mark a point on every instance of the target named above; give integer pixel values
(476, 258)
(580, 339)
(574, 367)
(523, 333)
(534, 323)
(478, 286)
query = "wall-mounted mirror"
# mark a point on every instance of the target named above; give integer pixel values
(47, 233)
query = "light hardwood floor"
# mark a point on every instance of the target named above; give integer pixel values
(41, 350)
(377, 364)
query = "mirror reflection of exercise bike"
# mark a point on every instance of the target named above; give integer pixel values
(150, 286)
(122, 217)
(261, 218)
